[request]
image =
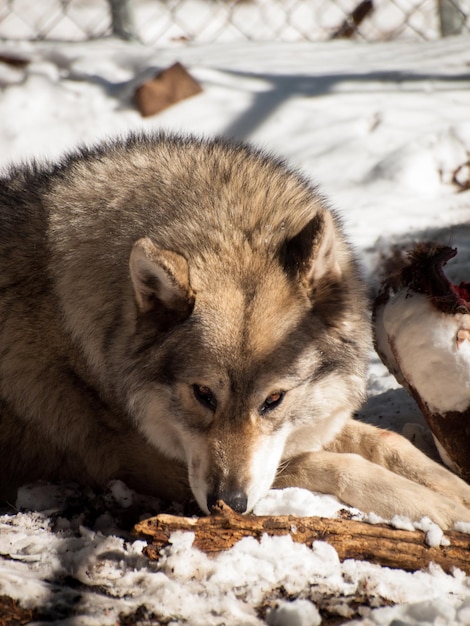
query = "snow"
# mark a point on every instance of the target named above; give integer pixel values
(295, 613)
(382, 128)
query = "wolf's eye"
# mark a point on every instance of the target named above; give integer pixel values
(205, 396)
(272, 401)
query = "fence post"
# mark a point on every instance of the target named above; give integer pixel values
(122, 19)
(451, 17)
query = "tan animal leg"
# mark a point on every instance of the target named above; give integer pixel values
(400, 456)
(362, 467)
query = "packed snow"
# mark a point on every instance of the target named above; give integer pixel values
(384, 129)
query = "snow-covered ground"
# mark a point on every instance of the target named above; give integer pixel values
(384, 129)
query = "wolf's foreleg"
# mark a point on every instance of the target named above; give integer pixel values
(371, 487)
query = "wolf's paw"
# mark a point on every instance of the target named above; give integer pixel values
(448, 484)
(446, 512)
(465, 500)
(457, 514)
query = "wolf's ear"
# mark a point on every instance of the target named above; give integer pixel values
(161, 280)
(312, 254)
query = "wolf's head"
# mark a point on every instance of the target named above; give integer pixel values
(249, 355)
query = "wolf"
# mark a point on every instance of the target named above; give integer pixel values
(186, 315)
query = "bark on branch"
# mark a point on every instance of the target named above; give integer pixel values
(352, 540)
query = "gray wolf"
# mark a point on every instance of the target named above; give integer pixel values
(187, 316)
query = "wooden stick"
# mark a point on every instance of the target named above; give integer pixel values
(377, 543)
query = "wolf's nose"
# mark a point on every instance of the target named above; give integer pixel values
(236, 500)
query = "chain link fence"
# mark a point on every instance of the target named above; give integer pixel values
(201, 21)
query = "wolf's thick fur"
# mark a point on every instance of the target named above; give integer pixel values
(178, 313)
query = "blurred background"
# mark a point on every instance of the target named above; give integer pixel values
(205, 21)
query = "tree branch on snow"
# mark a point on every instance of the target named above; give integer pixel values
(376, 543)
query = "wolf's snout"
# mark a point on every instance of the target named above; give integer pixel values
(236, 500)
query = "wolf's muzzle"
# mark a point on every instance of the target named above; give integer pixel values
(236, 500)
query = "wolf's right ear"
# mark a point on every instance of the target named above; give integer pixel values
(161, 281)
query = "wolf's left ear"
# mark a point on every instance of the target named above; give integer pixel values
(161, 280)
(312, 254)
